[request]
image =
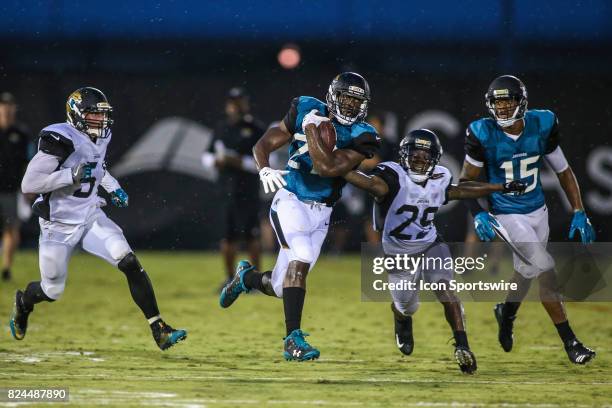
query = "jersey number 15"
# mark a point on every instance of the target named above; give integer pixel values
(524, 171)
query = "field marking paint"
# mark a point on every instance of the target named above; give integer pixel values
(300, 380)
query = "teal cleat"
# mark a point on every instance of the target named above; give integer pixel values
(296, 348)
(165, 336)
(19, 318)
(235, 287)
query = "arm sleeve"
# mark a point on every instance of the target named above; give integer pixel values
(366, 143)
(390, 177)
(474, 151)
(42, 176)
(556, 160)
(108, 182)
(291, 116)
(55, 144)
(553, 138)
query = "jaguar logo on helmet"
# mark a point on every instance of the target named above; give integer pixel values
(74, 100)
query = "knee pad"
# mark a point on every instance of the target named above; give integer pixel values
(130, 265)
(302, 253)
(53, 290)
(407, 308)
(119, 249)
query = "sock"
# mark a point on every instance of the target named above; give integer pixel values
(510, 309)
(254, 280)
(154, 319)
(34, 294)
(565, 332)
(140, 285)
(461, 338)
(293, 301)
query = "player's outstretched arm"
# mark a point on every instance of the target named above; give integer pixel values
(274, 138)
(326, 163)
(372, 184)
(476, 189)
(118, 196)
(41, 176)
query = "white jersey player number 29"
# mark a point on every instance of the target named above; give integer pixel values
(425, 219)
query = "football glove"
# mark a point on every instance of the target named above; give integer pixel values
(483, 225)
(314, 117)
(119, 198)
(581, 223)
(516, 186)
(271, 179)
(80, 172)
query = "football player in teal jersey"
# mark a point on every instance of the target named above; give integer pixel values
(512, 145)
(306, 193)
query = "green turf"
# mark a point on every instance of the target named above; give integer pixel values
(95, 342)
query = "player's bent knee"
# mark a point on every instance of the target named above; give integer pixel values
(407, 308)
(129, 264)
(119, 250)
(53, 290)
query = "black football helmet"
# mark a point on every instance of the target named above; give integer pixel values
(507, 87)
(89, 100)
(348, 98)
(419, 153)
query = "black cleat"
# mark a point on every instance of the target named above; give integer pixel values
(504, 335)
(19, 318)
(403, 332)
(165, 336)
(577, 353)
(466, 359)
(6, 275)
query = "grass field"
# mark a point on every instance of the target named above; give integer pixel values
(95, 342)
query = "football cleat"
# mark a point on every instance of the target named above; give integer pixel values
(577, 353)
(504, 334)
(19, 318)
(297, 348)
(403, 333)
(165, 336)
(6, 275)
(235, 287)
(466, 359)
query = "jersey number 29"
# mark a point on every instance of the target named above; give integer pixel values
(425, 222)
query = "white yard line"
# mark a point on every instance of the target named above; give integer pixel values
(297, 379)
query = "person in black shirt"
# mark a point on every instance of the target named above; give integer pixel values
(233, 141)
(15, 150)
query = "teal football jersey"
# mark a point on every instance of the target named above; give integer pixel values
(505, 159)
(302, 180)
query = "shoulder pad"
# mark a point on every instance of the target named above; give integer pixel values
(545, 118)
(308, 103)
(481, 128)
(55, 143)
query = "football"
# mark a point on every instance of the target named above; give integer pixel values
(328, 135)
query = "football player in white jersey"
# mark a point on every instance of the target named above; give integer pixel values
(66, 172)
(408, 194)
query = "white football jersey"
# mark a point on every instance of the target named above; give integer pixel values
(406, 214)
(72, 204)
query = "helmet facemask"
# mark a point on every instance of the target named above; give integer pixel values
(97, 122)
(507, 109)
(419, 163)
(346, 106)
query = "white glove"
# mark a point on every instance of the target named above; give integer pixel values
(271, 179)
(314, 118)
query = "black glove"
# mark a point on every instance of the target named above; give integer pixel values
(517, 187)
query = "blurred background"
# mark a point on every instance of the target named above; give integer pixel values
(167, 68)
